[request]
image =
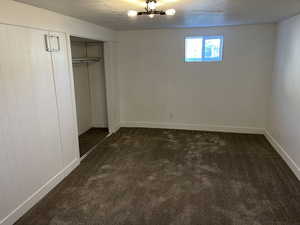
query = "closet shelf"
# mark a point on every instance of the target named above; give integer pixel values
(86, 60)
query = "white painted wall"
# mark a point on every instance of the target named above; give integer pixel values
(158, 89)
(283, 125)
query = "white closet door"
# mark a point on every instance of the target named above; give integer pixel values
(30, 145)
(64, 98)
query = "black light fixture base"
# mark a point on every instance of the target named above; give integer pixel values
(151, 12)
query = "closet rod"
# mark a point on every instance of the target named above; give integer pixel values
(86, 60)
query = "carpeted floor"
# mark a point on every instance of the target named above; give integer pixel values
(171, 177)
(91, 138)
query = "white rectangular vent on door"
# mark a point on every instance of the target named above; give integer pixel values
(52, 43)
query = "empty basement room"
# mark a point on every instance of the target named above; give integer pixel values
(149, 112)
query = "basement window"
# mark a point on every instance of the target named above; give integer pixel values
(204, 49)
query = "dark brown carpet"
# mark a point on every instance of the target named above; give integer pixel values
(171, 177)
(91, 138)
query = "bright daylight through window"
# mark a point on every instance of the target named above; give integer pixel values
(204, 49)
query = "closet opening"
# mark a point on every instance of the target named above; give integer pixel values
(90, 92)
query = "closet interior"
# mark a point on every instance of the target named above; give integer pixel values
(90, 92)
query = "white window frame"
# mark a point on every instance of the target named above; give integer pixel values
(203, 59)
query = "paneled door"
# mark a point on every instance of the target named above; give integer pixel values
(31, 101)
(66, 106)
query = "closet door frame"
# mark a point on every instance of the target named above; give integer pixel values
(111, 103)
(113, 106)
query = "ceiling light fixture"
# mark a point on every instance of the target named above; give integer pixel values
(151, 10)
(152, 5)
(132, 13)
(170, 12)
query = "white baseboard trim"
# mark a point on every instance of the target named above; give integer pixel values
(283, 153)
(200, 127)
(93, 148)
(39, 194)
(114, 129)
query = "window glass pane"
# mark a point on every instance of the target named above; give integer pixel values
(193, 49)
(212, 48)
(204, 49)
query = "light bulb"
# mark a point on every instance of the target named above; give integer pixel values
(152, 5)
(132, 13)
(151, 15)
(171, 12)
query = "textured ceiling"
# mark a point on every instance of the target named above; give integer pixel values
(190, 13)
